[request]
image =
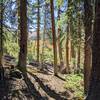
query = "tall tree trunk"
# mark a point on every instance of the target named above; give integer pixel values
(23, 34)
(1, 32)
(68, 39)
(94, 88)
(54, 37)
(73, 57)
(68, 50)
(78, 59)
(59, 43)
(18, 15)
(38, 31)
(1, 39)
(67, 57)
(44, 32)
(87, 52)
(79, 40)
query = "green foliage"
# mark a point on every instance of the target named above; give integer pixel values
(48, 55)
(59, 3)
(10, 44)
(74, 83)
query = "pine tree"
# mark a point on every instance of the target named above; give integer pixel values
(54, 37)
(23, 34)
(94, 88)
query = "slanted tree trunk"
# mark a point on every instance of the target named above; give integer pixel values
(94, 87)
(88, 34)
(23, 35)
(54, 37)
(38, 30)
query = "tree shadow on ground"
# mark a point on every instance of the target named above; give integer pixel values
(32, 89)
(12, 89)
(47, 89)
(20, 94)
(8, 90)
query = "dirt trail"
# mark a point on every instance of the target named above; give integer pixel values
(39, 86)
(38, 83)
(49, 86)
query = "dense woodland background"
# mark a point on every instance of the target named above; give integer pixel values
(61, 35)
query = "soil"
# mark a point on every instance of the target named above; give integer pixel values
(39, 85)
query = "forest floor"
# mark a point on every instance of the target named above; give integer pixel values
(40, 85)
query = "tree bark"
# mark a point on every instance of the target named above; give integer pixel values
(23, 35)
(94, 88)
(54, 37)
(79, 40)
(38, 31)
(87, 48)
(68, 39)
(18, 15)
(59, 43)
(1, 40)
(1, 32)
(68, 50)
(44, 32)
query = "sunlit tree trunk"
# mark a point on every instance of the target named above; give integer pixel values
(68, 39)
(73, 57)
(38, 31)
(23, 34)
(68, 50)
(54, 37)
(88, 34)
(94, 87)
